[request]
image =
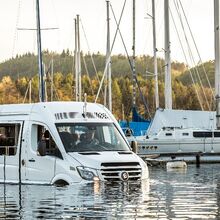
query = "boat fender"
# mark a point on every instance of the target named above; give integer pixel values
(176, 165)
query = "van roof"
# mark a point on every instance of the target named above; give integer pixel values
(60, 111)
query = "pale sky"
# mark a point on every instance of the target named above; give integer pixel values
(61, 13)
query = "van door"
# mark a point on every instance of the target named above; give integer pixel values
(10, 140)
(40, 168)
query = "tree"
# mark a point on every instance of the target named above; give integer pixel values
(116, 97)
(8, 91)
(22, 85)
(126, 96)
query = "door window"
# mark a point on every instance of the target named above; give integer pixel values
(43, 142)
(9, 135)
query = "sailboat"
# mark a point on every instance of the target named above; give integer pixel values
(183, 134)
(138, 125)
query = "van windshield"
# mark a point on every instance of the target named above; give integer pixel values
(81, 137)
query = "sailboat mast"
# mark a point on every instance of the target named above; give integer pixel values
(168, 90)
(155, 55)
(30, 88)
(133, 60)
(217, 62)
(109, 77)
(77, 61)
(40, 66)
(51, 86)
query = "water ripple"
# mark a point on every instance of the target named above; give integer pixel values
(192, 194)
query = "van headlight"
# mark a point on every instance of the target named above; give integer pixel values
(87, 173)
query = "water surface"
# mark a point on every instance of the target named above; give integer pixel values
(193, 193)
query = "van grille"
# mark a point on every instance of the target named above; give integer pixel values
(112, 171)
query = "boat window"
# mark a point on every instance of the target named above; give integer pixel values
(168, 128)
(168, 134)
(185, 134)
(203, 134)
(43, 142)
(81, 137)
(9, 134)
(216, 134)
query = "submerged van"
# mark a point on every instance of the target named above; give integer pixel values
(64, 143)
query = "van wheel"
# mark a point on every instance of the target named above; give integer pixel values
(61, 183)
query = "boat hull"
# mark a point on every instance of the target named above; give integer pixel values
(208, 149)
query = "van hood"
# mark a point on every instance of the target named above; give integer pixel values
(94, 159)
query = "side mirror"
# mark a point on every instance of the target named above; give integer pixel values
(42, 148)
(134, 146)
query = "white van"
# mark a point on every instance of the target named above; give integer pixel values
(64, 143)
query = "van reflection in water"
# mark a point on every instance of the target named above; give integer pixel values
(92, 200)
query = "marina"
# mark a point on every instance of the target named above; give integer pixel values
(63, 153)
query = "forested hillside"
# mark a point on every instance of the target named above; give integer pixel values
(17, 73)
(26, 65)
(206, 72)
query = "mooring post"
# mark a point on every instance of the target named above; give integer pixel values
(198, 159)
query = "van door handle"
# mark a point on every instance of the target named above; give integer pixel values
(31, 160)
